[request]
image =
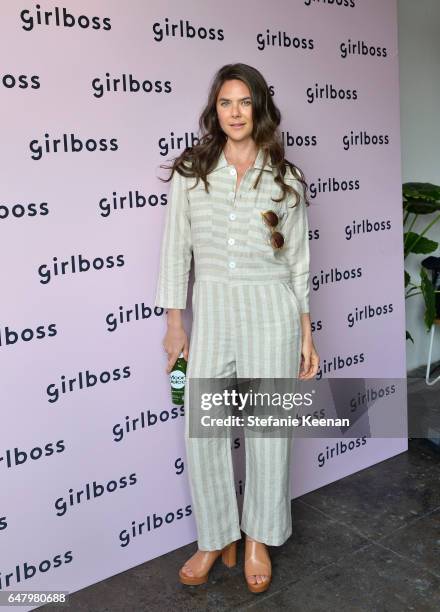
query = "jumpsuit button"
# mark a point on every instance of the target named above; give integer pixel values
(232, 264)
(232, 171)
(231, 241)
(232, 216)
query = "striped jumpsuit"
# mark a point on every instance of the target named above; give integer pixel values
(247, 300)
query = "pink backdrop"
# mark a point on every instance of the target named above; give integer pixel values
(50, 208)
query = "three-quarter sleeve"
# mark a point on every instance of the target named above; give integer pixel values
(297, 251)
(176, 249)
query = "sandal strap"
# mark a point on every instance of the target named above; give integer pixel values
(256, 563)
(204, 564)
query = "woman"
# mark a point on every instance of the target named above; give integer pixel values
(238, 206)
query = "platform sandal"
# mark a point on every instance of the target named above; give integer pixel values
(257, 563)
(207, 560)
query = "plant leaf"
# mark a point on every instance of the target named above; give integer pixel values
(421, 191)
(429, 296)
(421, 207)
(423, 245)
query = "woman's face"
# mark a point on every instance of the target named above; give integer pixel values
(234, 110)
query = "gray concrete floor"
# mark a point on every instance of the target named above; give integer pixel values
(369, 542)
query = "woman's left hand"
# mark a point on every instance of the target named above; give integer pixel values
(309, 360)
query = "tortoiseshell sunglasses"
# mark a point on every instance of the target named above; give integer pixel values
(271, 219)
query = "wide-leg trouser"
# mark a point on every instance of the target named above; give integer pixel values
(246, 331)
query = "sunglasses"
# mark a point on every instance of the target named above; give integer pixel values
(271, 219)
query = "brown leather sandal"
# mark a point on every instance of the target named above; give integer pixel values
(207, 559)
(257, 563)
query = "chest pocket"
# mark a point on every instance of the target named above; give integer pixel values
(259, 233)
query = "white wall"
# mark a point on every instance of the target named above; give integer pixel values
(419, 50)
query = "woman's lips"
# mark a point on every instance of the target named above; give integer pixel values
(237, 126)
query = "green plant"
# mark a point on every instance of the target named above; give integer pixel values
(420, 199)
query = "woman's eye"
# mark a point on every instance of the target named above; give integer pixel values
(245, 102)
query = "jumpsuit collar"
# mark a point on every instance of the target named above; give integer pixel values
(258, 164)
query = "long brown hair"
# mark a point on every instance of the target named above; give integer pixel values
(197, 161)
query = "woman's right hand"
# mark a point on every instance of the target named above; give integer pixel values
(174, 343)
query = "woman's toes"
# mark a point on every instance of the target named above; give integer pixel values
(257, 579)
(187, 570)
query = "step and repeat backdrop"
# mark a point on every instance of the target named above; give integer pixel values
(95, 97)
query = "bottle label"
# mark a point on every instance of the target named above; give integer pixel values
(177, 379)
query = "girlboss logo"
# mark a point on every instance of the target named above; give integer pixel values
(19, 211)
(77, 263)
(60, 17)
(348, 3)
(282, 39)
(70, 144)
(10, 336)
(184, 29)
(21, 81)
(127, 83)
(361, 48)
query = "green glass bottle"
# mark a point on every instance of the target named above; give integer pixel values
(177, 381)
